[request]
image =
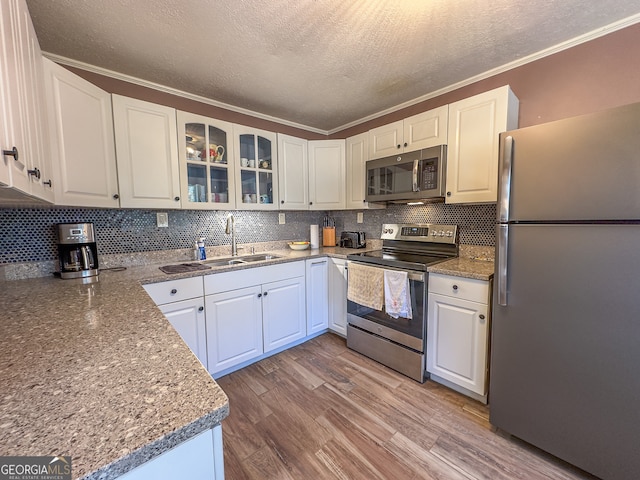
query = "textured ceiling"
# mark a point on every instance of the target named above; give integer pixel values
(317, 63)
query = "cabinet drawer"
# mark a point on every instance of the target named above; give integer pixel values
(459, 287)
(226, 281)
(175, 290)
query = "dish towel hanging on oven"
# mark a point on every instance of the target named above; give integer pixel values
(397, 297)
(365, 286)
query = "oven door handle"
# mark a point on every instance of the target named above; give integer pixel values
(413, 275)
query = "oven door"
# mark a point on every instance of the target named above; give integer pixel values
(410, 333)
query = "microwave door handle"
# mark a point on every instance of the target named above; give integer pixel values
(415, 175)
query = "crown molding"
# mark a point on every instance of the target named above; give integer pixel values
(592, 35)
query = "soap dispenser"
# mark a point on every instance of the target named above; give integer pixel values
(201, 250)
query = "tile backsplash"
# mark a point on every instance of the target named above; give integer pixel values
(29, 234)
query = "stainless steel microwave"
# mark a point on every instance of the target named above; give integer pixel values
(408, 177)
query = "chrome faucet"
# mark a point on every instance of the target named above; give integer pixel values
(231, 229)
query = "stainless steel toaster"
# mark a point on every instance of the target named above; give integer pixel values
(353, 240)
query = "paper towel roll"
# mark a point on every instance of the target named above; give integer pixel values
(314, 237)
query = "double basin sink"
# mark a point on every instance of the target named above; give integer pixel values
(218, 262)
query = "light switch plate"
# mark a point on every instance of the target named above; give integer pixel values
(281, 219)
(162, 219)
(360, 217)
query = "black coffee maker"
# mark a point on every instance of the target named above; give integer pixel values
(77, 250)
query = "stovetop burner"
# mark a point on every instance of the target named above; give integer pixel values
(412, 247)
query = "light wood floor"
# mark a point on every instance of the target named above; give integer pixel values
(321, 411)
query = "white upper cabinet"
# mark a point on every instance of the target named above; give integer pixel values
(146, 154)
(24, 130)
(423, 130)
(327, 175)
(357, 156)
(81, 138)
(256, 169)
(472, 157)
(206, 152)
(293, 172)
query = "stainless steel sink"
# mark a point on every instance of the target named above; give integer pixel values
(218, 262)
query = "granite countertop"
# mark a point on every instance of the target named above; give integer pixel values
(95, 370)
(465, 267)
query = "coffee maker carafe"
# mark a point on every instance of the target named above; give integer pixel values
(77, 250)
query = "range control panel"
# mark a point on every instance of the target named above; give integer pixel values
(426, 232)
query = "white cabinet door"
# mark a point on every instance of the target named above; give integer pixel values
(327, 175)
(199, 458)
(188, 318)
(82, 143)
(146, 154)
(338, 296)
(472, 157)
(386, 140)
(207, 169)
(457, 341)
(426, 129)
(423, 130)
(357, 148)
(283, 312)
(234, 327)
(22, 122)
(293, 173)
(317, 294)
(256, 168)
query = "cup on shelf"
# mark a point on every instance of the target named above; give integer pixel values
(264, 198)
(222, 197)
(252, 163)
(254, 198)
(246, 198)
(244, 162)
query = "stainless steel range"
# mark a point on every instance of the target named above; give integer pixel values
(400, 343)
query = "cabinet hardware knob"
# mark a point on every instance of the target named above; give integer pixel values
(177, 199)
(406, 144)
(35, 172)
(173, 291)
(398, 146)
(455, 287)
(282, 201)
(481, 317)
(259, 295)
(11, 153)
(48, 182)
(116, 196)
(200, 309)
(266, 293)
(448, 194)
(310, 203)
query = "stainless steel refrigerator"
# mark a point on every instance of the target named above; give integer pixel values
(565, 347)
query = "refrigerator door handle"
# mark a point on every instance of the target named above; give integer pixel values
(506, 162)
(501, 269)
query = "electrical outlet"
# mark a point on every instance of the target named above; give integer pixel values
(281, 219)
(360, 217)
(162, 219)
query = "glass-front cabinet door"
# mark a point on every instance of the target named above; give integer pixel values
(256, 169)
(206, 162)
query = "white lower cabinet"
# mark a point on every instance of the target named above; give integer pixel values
(187, 317)
(252, 312)
(182, 303)
(317, 294)
(338, 296)
(199, 458)
(283, 313)
(234, 327)
(458, 333)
